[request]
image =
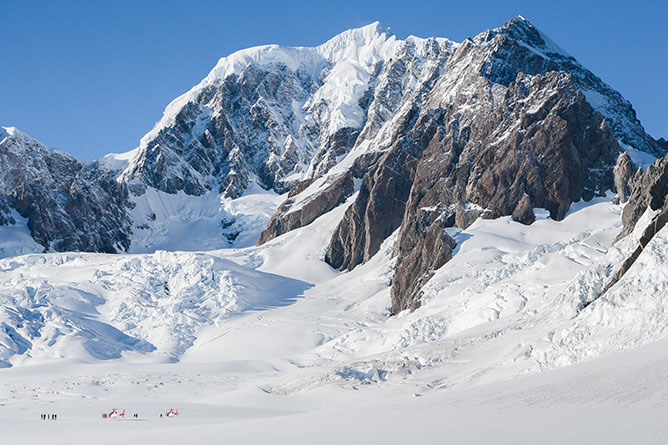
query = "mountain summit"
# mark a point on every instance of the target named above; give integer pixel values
(495, 125)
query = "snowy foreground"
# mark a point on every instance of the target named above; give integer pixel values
(270, 344)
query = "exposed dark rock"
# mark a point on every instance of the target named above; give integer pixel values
(419, 266)
(379, 206)
(70, 206)
(289, 218)
(6, 218)
(648, 190)
(337, 190)
(523, 211)
(624, 172)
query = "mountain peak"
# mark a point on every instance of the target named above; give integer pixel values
(6, 132)
(520, 29)
(373, 36)
(9, 131)
(359, 35)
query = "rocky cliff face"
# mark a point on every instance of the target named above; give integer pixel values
(649, 190)
(562, 153)
(648, 193)
(69, 205)
(292, 215)
(508, 126)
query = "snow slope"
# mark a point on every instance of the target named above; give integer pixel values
(618, 400)
(275, 345)
(94, 307)
(165, 221)
(16, 238)
(516, 290)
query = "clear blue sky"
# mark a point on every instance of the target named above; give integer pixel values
(91, 77)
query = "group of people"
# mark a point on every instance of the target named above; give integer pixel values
(136, 416)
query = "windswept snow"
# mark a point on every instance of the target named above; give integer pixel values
(165, 221)
(16, 238)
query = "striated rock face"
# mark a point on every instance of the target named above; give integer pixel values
(312, 198)
(402, 83)
(419, 266)
(648, 189)
(70, 206)
(292, 215)
(506, 127)
(625, 173)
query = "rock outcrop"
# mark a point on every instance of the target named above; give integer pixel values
(419, 266)
(648, 190)
(625, 173)
(69, 205)
(292, 215)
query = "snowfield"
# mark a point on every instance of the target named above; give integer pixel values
(515, 341)
(269, 343)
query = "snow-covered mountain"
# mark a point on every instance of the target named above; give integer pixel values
(279, 115)
(315, 121)
(413, 215)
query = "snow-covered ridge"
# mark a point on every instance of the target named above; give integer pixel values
(363, 46)
(20, 137)
(4, 133)
(47, 186)
(278, 112)
(25, 142)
